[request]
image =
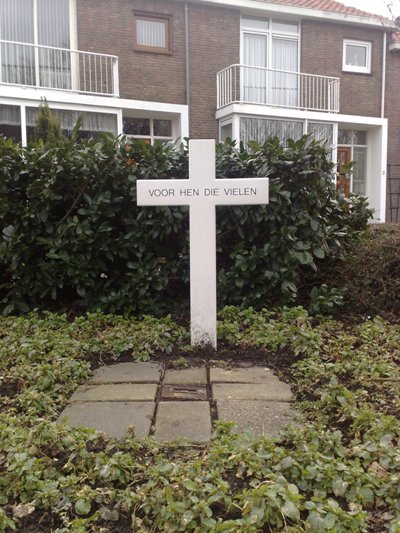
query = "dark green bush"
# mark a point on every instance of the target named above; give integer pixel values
(47, 127)
(73, 237)
(370, 271)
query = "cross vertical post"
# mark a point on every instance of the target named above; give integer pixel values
(203, 256)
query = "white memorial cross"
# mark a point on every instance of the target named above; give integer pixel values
(202, 192)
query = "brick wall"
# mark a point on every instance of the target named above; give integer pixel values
(214, 45)
(322, 53)
(106, 26)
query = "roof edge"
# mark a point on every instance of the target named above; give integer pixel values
(328, 16)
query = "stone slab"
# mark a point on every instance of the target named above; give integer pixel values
(128, 373)
(115, 392)
(112, 418)
(262, 418)
(183, 392)
(274, 391)
(254, 374)
(195, 376)
(187, 420)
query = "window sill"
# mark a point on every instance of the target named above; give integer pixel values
(150, 50)
(350, 71)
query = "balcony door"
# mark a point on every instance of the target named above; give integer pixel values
(255, 78)
(284, 85)
(270, 61)
(41, 27)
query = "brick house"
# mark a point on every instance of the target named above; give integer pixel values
(245, 69)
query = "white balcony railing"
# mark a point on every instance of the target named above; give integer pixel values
(47, 67)
(278, 88)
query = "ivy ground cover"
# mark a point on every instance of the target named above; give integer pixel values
(338, 473)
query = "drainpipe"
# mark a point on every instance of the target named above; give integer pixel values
(187, 85)
(383, 75)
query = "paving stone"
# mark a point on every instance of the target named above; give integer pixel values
(188, 420)
(274, 391)
(128, 373)
(254, 374)
(260, 417)
(112, 418)
(195, 376)
(119, 392)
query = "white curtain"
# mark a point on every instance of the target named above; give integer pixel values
(151, 33)
(16, 24)
(263, 86)
(254, 80)
(284, 86)
(10, 115)
(92, 122)
(259, 130)
(321, 132)
(359, 170)
(20, 64)
(53, 30)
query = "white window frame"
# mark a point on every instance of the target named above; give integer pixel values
(246, 27)
(353, 68)
(222, 124)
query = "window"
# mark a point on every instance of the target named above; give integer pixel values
(148, 129)
(152, 33)
(92, 126)
(260, 130)
(357, 56)
(10, 122)
(226, 131)
(355, 141)
(41, 22)
(270, 55)
(321, 132)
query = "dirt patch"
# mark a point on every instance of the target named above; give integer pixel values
(10, 388)
(227, 355)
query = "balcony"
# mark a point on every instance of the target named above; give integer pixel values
(241, 84)
(47, 67)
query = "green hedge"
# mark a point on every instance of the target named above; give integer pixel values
(74, 239)
(370, 272)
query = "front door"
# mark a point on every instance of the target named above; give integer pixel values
(343, 181)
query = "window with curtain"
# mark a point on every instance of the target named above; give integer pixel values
(93, 123)
(270, 62)
(321, 132)
(357, 56)
(29, 65)
(359, 185)
(152, 32)
(260, 130)
(10, 122)
(284, 84)
(255, 79)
